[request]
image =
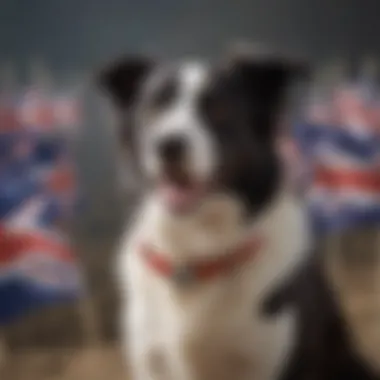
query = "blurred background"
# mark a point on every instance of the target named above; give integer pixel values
(64, 193)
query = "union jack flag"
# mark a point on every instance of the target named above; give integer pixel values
(36, 269)
(37, 266)
(37, 193)
(344, 161)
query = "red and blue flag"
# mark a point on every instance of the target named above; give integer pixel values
(38, 190)
(343, 159)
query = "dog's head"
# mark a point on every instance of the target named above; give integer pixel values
(198, 129)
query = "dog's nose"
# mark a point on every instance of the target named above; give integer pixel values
(172, 148)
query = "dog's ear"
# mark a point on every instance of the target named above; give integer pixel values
(122, 79)
(265, 78)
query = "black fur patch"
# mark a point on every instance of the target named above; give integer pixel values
(122, 79)
(323, 349)
(240, 106)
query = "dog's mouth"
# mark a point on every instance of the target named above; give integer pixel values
(180, 191)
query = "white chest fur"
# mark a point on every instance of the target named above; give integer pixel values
(212, 330)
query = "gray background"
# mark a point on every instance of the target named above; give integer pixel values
(72, 33)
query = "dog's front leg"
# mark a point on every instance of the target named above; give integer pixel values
(137, 345)
(181, 367)
(138, 364)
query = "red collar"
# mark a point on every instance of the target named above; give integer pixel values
(201, 270)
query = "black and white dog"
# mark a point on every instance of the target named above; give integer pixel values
(208, 268)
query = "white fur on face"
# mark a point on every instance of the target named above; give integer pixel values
(182, 119)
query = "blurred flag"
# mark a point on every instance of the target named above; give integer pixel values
(343, 158)
(37, 266)
(17, 185)
(35, 271)
(36, 111)
(37, 193)
(353, 111)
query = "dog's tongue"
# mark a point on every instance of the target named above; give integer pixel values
(179, 198)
